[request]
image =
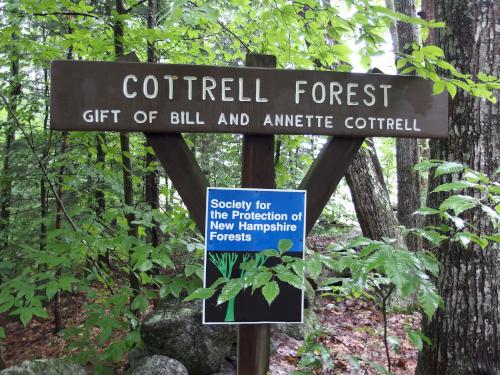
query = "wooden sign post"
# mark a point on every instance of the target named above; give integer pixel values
(258, 101)
(257, 171)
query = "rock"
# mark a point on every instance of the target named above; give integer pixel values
(157, 365)
(227, 369)
(174, 329)
(300, 331)
(48, 366)
(136, 355)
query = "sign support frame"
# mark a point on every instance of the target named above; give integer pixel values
(258, 171)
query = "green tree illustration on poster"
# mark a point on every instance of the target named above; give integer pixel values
(225, 263)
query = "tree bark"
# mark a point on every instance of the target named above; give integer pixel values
(152, 177)
(10, 136)
(465, 334)
(44, 210)
(100, 161)
(370, 198)
(58, 319)
(407, 150)
(128, 187)
(100, 198)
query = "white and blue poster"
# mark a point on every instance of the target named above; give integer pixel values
(239, 224)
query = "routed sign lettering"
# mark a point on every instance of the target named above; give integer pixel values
(127, 96)
(239, 224)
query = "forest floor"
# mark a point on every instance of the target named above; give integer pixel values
(351, 327)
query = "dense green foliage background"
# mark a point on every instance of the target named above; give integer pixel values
(47, 247)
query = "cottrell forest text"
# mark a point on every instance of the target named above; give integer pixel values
(181, 98)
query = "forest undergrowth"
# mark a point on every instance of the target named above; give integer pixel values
(352, 327)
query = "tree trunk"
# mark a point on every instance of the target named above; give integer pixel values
(466, 332)
(407, 150)
(128, 188)
(43, 188)
(10, 134)
(370, 198)
(99, 191)
(152, 177)
(58, 320)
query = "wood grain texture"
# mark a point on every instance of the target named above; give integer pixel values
(275, 101)
(184, 172)
(257, 171)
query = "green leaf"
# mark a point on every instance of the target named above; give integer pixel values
(466, 238)
(290, 278)
(360, 241)
(430, 263)
(494, 237)
(144, 266)
(268, 253)
(395, 268)
(432, 51)
(270, 291)
(427, 211)
(341, 50)
(230, 290)
(415, 338)
(424, 33)
(284, 245)
(458, 203)
(66, 281)
(452, 89)
(367, 250)
(429, 299)
(40, 312)
(200, 293)
(314, 266)
(51, 289)
(435, 24)
(430, 235)
(438, 87)
(261, 279)
(401, 63)
(140, 302)
(25, 315)
(408, 70)
(426, 165)
(2, 333)
(457, 185)
(494, 217)
(448, 167)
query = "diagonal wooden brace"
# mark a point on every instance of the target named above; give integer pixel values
(184, 172)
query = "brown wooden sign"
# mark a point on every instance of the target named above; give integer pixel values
(162, 98)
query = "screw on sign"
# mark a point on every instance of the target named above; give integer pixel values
(258, 101)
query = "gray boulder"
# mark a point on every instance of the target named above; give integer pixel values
(137, 354)
(157, 365)
(227, 369)
(299, 331)
(311, 322)
(48, 366)
(174, 329)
